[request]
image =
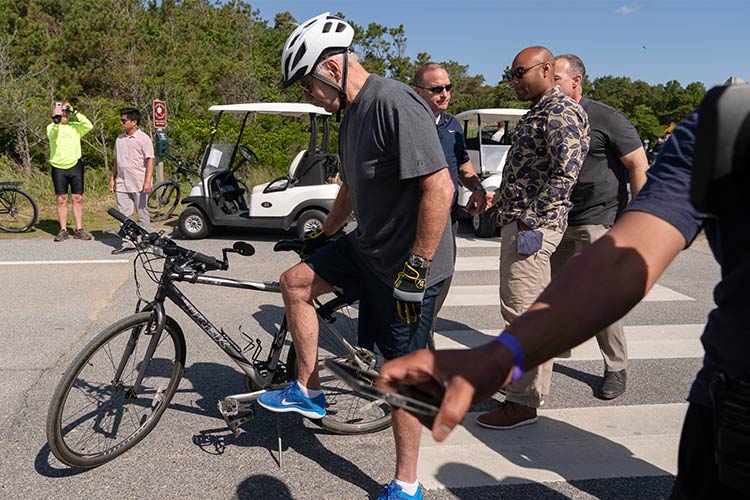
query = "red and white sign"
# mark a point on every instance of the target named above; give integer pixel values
(160, 114)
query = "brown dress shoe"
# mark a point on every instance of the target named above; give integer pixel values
(508, 416)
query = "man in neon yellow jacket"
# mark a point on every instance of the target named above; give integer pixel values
(67, 169)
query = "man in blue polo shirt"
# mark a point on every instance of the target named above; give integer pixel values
(433, 84)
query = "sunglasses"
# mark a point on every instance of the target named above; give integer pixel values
(439, 89)
(519, 72)
(124, 120)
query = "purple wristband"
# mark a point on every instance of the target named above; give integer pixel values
(516, 351)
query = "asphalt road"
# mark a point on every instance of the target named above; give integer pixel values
(59, 295)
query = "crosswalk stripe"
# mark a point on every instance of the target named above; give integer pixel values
(488, 295)
(465, 241)
(644, 342)
(564, 445)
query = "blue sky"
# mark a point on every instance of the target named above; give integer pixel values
(651, 40)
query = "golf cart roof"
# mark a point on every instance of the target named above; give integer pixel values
(271, 108)
(489, 115)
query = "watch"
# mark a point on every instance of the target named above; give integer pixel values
(417, 261)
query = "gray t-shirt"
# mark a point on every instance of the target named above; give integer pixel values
(387, 141)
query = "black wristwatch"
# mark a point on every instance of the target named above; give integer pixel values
(417, 261)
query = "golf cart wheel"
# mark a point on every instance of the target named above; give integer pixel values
(309, 220)
(485, 224)
(193, 223)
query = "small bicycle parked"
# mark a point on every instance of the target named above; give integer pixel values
(18, 210)
(120, 384)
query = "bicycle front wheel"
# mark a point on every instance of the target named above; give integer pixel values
(18, 210)
(115, 391)
(163, 199)
(347, 412)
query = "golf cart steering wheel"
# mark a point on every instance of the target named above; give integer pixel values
(248, 154)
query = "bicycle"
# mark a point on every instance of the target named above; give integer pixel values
(116, 389)
(18, 210)
(166, 195)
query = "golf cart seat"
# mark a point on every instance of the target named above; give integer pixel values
(292, 172)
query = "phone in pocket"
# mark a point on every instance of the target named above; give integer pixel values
(363, 382)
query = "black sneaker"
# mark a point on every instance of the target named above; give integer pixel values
(80, 234)
(62, 235)
(613, 385)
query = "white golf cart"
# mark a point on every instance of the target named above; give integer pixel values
(487, 154)
(302, 198)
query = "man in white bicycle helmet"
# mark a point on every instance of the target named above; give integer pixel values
(396, 181)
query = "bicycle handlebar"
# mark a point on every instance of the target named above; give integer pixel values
(131, 230)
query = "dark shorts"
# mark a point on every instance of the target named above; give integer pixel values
(64, 177)
(341, 265)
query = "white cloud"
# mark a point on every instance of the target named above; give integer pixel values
(625, 10)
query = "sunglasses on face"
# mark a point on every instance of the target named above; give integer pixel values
(124, 120)
(519, 72)
(439, 89)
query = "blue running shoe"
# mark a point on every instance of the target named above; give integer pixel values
(292, 399)
(393, 491)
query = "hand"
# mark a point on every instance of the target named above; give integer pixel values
(409, 288)
(314, 239)
(455, 377)
(477, 202)
(147, 187)
(112, 184)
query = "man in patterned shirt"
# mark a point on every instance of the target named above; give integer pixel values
(549, 146)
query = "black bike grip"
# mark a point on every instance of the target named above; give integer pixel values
(211, 263)
(117, 215)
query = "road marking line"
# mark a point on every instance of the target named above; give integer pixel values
(644, 342)
(60, 262)
(488, 295)
(564, 445)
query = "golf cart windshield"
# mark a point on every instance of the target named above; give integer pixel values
(488, 136)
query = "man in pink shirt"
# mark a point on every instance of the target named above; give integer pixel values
(132, 171)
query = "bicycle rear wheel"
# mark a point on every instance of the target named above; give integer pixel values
(347, 412)
(163, 199)
(96, 413)
(18, 210)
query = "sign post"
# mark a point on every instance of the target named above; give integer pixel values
(160, 123)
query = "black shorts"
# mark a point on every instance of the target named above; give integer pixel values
(341, 265)
(64, 177)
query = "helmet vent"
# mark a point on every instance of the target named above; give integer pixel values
(300, 53)
(327, 27)
(340, 27)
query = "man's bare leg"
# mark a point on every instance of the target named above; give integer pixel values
(299, 286)
(407, 432)
(62, 210)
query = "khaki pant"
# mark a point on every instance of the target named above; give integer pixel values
(522, 279)
(611, 340)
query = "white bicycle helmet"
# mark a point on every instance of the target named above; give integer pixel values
(311, 42)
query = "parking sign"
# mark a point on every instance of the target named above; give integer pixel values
(160, 114)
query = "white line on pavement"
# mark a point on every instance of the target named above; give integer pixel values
(644, 342)
(61, 262)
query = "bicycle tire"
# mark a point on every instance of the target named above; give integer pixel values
(163, 199)
(347, 412)
(18, 210)
(91, 419)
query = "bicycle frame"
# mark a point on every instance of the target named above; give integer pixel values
(167, 290)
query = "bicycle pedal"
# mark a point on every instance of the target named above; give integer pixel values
(231, 407)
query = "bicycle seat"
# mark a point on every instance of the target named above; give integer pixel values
(288, 245)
